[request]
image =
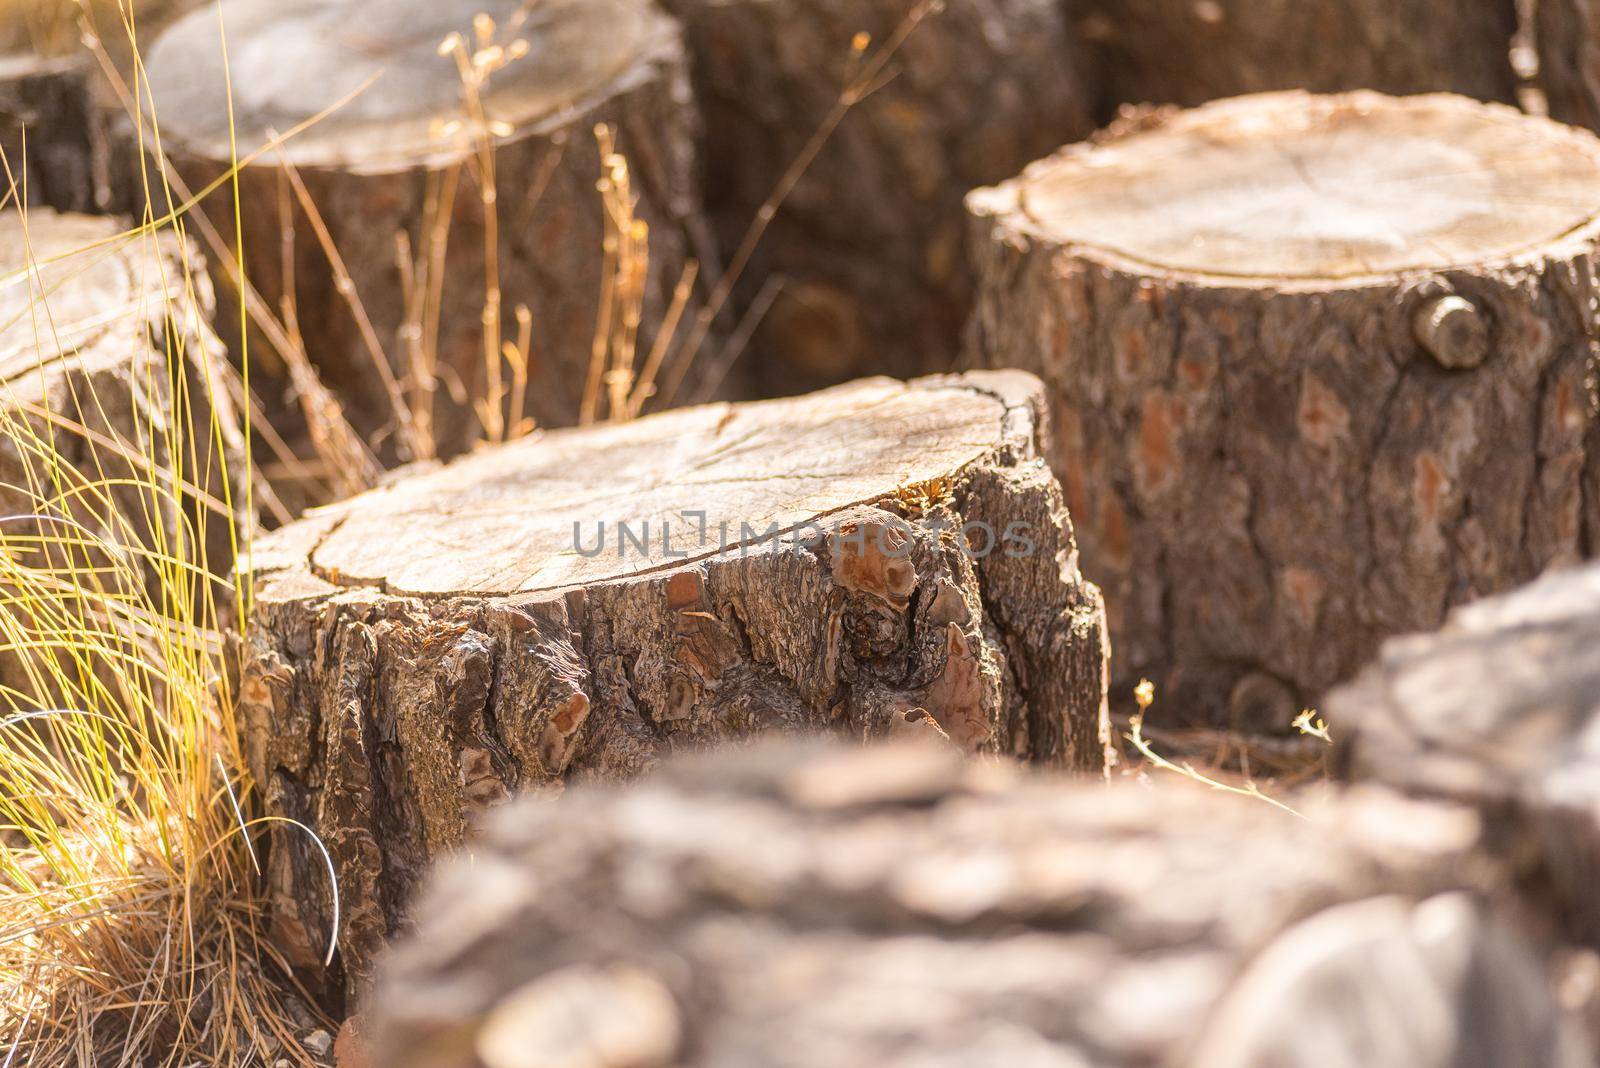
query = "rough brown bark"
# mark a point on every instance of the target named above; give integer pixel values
(869, 245)
(103, 348)
(1501, 710)
(781, 908)
(1326, 379)
(379, 167)
(1187, 52)
(426, 649)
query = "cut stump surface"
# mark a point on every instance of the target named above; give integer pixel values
(879, 558)
(1328, 377)
(778, 908)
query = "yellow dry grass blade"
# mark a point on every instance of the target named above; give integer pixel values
(131, 901)
(131, 927)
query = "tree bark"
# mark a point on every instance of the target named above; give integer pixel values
(1311, 388)
(79, 157)
(110, 377)
(779, 907)
(869, 245)
(400, 161)
(426, 649)
(1498, 710)
(1565, 48)
(1186, 52)
(53, 136)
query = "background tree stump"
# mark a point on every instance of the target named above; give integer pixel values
(773, 908)
(104, 352)
(1325, 378)
(51, 136)
(1501, 710)
(400, 159)
(1565, 51)
(427, 648)
(78, 153)
(869, 245)
(1187, 52)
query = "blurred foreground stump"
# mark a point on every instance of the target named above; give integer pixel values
(1188, 52)
(396, 175)
(1500, 710)
(876, 559)
(869, 245)
(779, 908)
(116, 415)
(1329, 376)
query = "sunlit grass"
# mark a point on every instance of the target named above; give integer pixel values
(131, 923)
(129, 917)
(133, 926)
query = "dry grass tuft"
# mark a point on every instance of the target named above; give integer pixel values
(129, 917)
(130, 910)
(132, 918)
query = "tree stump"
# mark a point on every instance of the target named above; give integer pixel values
(1501, 710)
(869, 245)
(51, 134)
(1328, 377)
(78, 156)
(1564, 49)
(776, 908)
(1188, 52)
(879, 558)
(396, 176)
(116, 419)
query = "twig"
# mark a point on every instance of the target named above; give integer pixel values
(1144, 694)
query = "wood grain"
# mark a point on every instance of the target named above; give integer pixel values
(1277, 189)
(384, 59)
